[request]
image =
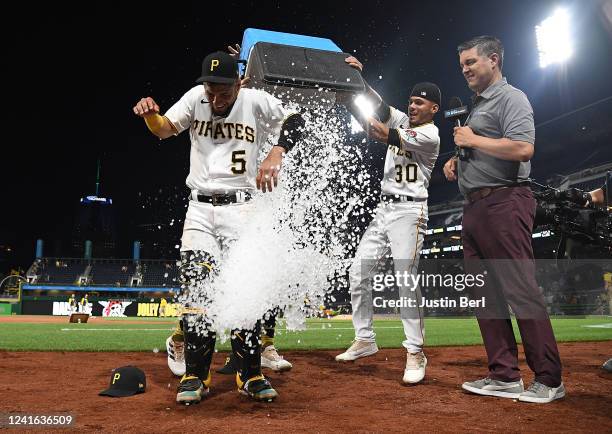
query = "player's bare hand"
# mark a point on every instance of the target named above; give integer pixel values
(464, 137)
(234, 51)
(352, 61)
(267, 175)
(245, 81)
(450, 169)
(145, 107)
(377, 130)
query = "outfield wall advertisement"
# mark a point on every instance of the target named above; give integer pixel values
(121, 308)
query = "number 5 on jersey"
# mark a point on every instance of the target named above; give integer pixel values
(406, 173)
(238, 162)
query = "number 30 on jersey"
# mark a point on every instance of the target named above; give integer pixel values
(406, 173)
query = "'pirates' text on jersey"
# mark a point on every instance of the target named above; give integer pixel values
(224, 150)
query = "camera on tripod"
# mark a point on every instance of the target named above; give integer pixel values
(566, 212)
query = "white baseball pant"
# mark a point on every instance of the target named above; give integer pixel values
(397, 230)
(213, 228)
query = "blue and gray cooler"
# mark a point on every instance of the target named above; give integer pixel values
(306, 70)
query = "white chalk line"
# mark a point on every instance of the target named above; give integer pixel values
(167, 329)
(600, 326)
(113, 330)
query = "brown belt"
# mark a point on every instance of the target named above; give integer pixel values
(484, 192)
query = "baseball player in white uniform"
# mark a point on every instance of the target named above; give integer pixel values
(398, 227)
(228, 127)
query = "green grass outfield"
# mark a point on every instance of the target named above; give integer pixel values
(149, 334)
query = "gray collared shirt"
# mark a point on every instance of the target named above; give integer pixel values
(500, 111)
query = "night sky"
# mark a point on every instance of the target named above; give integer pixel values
(79, 72)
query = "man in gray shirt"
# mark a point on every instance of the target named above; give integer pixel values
(492, 166)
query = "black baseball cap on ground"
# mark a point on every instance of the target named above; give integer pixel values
(126, 381)
(219, 67)
(428, 91)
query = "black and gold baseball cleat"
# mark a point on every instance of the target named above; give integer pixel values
(257, 388)
(191, 389)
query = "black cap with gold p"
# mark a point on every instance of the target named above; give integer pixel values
(126, 381)
(219, 67)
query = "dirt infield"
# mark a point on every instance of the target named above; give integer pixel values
(318, 395)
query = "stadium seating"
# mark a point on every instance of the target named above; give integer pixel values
(60, 271)
(104, 272)
(160, 273)
(115, 274)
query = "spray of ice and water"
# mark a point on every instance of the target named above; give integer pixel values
(298, 237)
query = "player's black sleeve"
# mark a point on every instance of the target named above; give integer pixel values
(394, 138)
(291, 131)
(383, 111)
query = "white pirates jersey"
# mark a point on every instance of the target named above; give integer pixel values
(408, 168)
(224, 150)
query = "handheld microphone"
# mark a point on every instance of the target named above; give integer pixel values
(457, 112)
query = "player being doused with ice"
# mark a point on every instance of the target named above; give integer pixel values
(228, 126)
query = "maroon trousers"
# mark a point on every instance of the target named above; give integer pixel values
(497, 229)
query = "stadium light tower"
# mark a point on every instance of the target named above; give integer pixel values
(553, 38)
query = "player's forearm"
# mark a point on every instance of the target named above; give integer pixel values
(277, 151)
(382, 109)
(505, 149)
(159, 125)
